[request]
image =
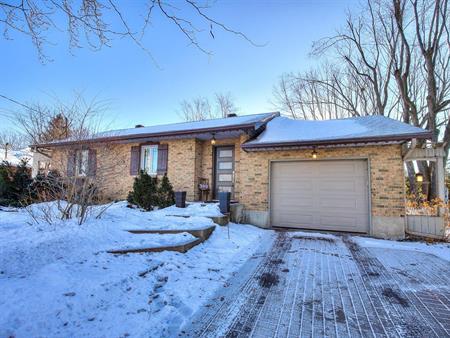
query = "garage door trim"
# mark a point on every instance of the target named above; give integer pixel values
(369, 189)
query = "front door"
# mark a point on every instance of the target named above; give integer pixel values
(224, 170)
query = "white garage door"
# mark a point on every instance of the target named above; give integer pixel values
(323, 195)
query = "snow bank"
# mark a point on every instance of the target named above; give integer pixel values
(438, 249)
(312, 234)
(58, 280)
(193, 209)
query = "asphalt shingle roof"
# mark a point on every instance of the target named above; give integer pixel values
(190, 126)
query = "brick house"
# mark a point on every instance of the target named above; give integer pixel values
(342, 175)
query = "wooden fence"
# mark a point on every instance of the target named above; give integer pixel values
(426, 226)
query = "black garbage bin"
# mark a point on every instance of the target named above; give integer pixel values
(180, 199)
(224, 202)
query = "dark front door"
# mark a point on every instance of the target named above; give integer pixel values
(224, 170)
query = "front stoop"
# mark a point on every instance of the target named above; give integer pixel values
(200, 234)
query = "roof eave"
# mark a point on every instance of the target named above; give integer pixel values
(244, 127)
(390, 138)
(147, 135)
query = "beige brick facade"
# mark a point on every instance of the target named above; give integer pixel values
(113, 168)
(385, 166)
(182, 166)
(191, 159)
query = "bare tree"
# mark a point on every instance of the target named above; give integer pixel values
(393, 59)
(225, 104)
(418, 36)
(77, 119)
(75, 184)
(12, 140)
(197, 109)
(97, 23)
(326, 93)
(200, 108)
(360, 47)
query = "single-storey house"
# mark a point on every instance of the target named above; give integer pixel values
(339, 175)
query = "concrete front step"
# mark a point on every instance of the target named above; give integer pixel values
(200, 234)
(179, 248)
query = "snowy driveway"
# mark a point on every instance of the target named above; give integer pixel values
(302, 286)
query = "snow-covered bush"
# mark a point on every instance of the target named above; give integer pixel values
(14, 183)
(58, 198)
(144, 192)
(45, 188)
(149, 193)
(166, 195)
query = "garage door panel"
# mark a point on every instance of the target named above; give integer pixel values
(341, 203)
(286, 187)
(342, 169)
(324, 195)
(298, 204)
(338, 221)
(286, 221)
(343, 185)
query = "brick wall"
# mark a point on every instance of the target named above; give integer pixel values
(386, 175)
(182, 168)
(113, 168)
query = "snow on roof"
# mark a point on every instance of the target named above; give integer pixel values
(189, 126)
(15, 156)
(286, 130)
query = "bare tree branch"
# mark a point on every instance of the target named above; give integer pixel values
(102, 21)
(200, 108)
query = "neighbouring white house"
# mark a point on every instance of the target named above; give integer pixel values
(14, 157)
(40, 163)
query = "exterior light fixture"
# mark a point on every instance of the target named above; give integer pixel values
(314, 154)
(419, 177)
(213, 140)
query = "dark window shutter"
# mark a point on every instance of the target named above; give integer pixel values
(163, 156)
(134, 160)
(92, 162)
(71, 163)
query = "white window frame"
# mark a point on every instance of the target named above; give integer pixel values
(82, 162)
(152, 150)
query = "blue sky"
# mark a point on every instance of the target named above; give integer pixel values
(137, 91)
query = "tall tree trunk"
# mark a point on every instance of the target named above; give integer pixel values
(411, 177)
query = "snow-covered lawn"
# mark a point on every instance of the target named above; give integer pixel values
(441, 250)
(59, 281)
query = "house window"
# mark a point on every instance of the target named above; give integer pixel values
(149, 159)
(41, 167)
(81, 162)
